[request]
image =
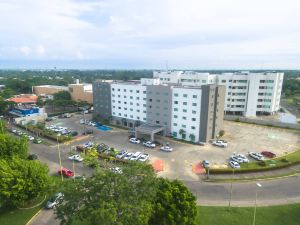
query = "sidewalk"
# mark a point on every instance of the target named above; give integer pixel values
(288, 171)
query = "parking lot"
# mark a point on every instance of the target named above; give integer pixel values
(181, 163)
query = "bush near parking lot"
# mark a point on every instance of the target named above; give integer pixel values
(46, 133)
(271, 164)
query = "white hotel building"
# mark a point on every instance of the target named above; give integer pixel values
(191, 113)
(247, 94)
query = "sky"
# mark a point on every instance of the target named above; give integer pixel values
(150, 34)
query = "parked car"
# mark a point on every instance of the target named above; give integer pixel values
(32, 157)
(234, 165)
(205, 163)
(77, 158)
(37, 141)
(14, 131)
(143, 157)
(135, 156)
(128, 155)
(220, 143)
(55, 200)
(91, 123)
(117, 170)
(243, 157)
(134, 140)
(102, 147)
(256, 155)
(166, 148)
(236, 159)
(149, 144)
(30, 138)
(121, 154)
(268, 154)
(66, 172)
(87, 132)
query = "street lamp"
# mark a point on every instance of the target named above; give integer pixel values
(58, 149)
(230, 196)
(258, 185)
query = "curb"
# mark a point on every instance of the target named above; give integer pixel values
(249, 180)
(35, 215)
(41, 202)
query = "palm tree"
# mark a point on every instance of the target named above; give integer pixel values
(182, 133)
(192, 137)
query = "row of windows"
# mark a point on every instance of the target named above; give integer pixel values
(131, 97)
(184, 126)
(130, 116)
(158, 107)
(264, 94)
(236, 81)
(185, 110)
(144, 111)
(266, 87)
(267, 81)
(183, 103)
(131, 103)
(158, 100)
(263, 106)
(184, 118)
(184, 95)
(194, 80)
(125, 90)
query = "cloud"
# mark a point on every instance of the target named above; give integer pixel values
(25, 50)
(190, 33)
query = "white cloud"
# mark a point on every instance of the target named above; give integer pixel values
(25, 50)
(190, 33)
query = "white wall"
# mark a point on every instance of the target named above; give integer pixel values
(121, 106)
(186, 124)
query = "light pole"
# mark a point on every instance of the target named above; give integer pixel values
(230, 196)
(58, 149)
(258, 185)
(84, 122)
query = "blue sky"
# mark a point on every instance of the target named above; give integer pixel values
(126, 34)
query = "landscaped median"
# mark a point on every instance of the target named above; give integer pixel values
(271, 164)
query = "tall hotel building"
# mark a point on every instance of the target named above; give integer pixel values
(193, 113)
(247, 94)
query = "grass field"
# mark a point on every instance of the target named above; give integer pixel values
(17, 216)
(274, 215)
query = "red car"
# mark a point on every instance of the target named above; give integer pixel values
(66, 172)
(268, 154)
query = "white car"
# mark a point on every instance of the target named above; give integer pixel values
(256, 155)
(117, 170)
(128, 155)
(14, 131)
(77, 158)
(121, 154)
(135, 156)
(91, 123)
(220, 143)
(144, 157)
(134, 140)
(82, 121)
(30, 138)
(244, 158)
(234, 165)
(236, 159)
(149, 144)
(166, 148)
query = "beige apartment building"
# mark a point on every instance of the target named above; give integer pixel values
(81, 92)
(48, 89)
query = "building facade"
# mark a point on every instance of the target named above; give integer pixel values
(48, 89)
(185, 112)
(247, 94)
(81, 92)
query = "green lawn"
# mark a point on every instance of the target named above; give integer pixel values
(17, 216)
(274, 215)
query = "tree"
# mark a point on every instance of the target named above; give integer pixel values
(7, 92)
(192, 137)
(182, 133)
(4, 106)
(62, 95)
(112, 198)
(174, 204)
(22, 180)
(11, 146)
(221, 133)
(40, 101)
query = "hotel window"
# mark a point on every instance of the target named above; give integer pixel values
(194, 96)
(185, 95)
(184, 103)
(194, 104)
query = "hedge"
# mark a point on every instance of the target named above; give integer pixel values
(280, 162)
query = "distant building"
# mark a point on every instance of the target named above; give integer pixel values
(26, 113)
(2, 87)
(45, 90)
(247, 93)
(24, 99)
(81, 92)
(184, 112)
